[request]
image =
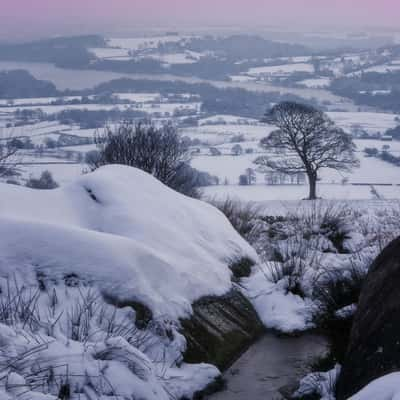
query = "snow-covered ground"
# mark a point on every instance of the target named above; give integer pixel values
(369, 121)
(110, 52)
(229, 167)
(381, 69)
(225, 119)
(151, 108)
(280, 194)
(36, 100)
(32, 131)
(139, 97)
(220, 134)
(315, 83)
(176, 58)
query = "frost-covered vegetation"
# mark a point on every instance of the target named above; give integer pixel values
(315, 258)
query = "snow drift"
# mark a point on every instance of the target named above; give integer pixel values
(124, 232)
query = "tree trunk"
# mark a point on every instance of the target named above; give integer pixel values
(312, 181)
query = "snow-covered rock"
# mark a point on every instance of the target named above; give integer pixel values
(126, 233)
(75, 264)
(384, 388)
(319, 383)
(277, 308)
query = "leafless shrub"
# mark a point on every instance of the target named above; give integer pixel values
(18, 305)
(293, 257)
(8, 154)
(328, 219)
(158, 151)
(336, 289)
(244, 216)
(44, 182)
(80, 315)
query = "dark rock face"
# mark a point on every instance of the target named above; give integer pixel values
(374, 347)
(220, 329)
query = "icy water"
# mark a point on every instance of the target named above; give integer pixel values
(83, 79)
(269, 365)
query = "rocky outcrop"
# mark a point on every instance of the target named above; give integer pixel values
(220, 329)
(374, 347)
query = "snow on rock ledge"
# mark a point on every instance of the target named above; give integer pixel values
(125, 232)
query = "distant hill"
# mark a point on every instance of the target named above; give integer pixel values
(21, 84)
(247, 46)
(63, 51)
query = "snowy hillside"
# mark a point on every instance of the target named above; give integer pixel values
(118, 235)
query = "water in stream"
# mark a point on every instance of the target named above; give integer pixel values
(269, 365)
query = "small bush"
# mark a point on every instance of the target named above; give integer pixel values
(19, 305)
(45, 182)
(322, 219)
(241, 268)
(333, 292)
(244, 217)
(336, 290)
(291, 269)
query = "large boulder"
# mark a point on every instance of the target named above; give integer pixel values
(127, 234)
(141, 245)
(374, 347)
(220, 329)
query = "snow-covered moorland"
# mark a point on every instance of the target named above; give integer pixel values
(76, 262)
(81, 264)
(306, 249)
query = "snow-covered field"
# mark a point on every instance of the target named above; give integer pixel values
(176, 58)
(285, 69)
(381, 69)
(151, 108)
(220, 134)
(110, 52)
(62, 171)
(36, 100)
(369, 121)
(139, 97)
(224, 119)
(276, 195)
(34, 130)
(228, 167)
(315, 83)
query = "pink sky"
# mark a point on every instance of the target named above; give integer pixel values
(48, 14)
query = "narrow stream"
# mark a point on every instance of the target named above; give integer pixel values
(269, 365)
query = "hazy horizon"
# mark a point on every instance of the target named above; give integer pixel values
(21, 19)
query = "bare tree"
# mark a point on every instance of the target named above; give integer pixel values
(251, 176)
(306, 141)
(8, 153)
(158, 151)
(237, 150)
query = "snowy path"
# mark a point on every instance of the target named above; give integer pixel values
(270, 364)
